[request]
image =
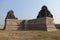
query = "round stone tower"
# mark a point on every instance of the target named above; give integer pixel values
(11, 22)
(47, 19)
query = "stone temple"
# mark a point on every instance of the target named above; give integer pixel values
(44, 21)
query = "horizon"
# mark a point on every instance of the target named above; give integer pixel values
(28, 9)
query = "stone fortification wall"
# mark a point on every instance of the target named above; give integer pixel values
(44, 21)
(12, 24)
(37, 24)
(45, 24)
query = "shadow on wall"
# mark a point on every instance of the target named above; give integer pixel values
(21, 25)
(30, 26)
(4, 25)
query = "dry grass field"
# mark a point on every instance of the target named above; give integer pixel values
(29, 35)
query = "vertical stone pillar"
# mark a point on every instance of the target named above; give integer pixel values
(26, 24)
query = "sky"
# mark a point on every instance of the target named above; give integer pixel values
(29, 9)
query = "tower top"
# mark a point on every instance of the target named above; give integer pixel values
(44, 12)
(10, 15)
(10, 11)
(44, 7)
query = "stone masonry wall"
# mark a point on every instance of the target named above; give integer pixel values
(45, 24)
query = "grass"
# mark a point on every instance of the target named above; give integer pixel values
(29, 35)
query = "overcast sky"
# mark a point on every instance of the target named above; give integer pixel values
(28, 9)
